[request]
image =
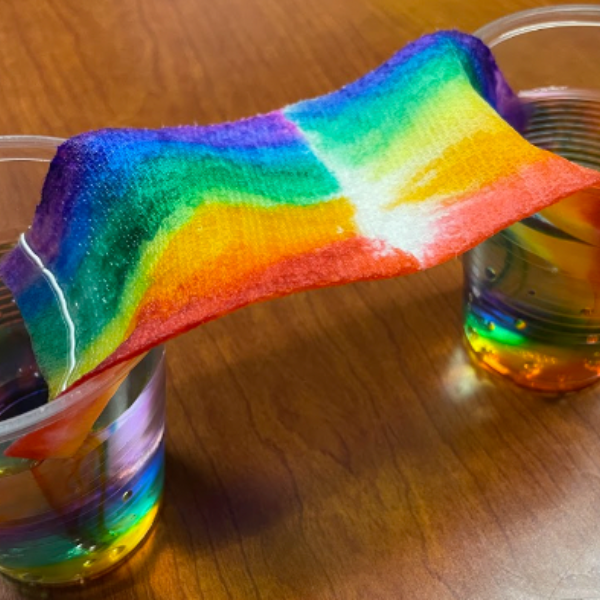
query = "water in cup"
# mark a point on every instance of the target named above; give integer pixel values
(532, 292)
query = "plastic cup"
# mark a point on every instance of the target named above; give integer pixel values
(532, 292)
(66, 520)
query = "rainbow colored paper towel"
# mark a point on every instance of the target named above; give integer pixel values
(143, 234)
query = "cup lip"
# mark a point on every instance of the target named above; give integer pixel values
(536, 19)
(38, 148)
(48, 413)
(34, 148)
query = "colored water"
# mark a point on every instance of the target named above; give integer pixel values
(532, 292)
(66, 520)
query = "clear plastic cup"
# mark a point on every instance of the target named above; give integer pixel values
(72, 518)
(532, 292)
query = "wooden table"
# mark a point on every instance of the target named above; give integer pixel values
(336, 444)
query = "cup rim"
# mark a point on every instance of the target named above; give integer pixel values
(536, 19)
(30, 147)
(38, 148)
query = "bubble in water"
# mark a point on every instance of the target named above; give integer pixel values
(115, 553)
(490, 273)
(520, 324)
(491, 325)
(31, 577)
(80, 548)
(127, 495)
(88, 563)
(532, 369)
(471, 332)
(592, 364)
(592, 338)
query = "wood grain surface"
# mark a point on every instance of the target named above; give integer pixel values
(336, 444)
